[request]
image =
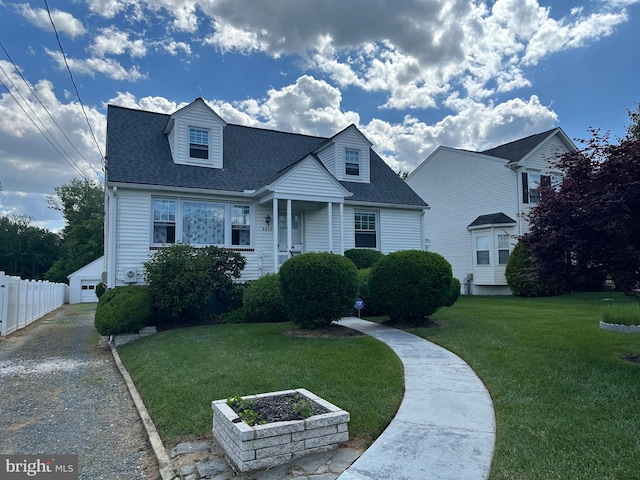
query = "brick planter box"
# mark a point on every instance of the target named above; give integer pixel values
(263, 446)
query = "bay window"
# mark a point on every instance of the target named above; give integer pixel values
(483, 245)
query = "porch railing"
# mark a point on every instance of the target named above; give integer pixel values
(24, 301)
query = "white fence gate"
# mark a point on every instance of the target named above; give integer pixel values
(24, 301)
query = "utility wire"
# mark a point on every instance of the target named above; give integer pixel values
(43, 106)
(73, 165)
(64, 56)
(50, 137)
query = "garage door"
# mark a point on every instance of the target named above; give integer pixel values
(88, 293)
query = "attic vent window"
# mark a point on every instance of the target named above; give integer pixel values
(352, 161)
(199, 143)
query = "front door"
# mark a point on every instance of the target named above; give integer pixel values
(296, 246)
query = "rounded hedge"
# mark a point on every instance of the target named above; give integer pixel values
(262, 300)
(521, 274)
(123, 310)
(410, 285)
(318, 288)
(362, 257)
(454, 292)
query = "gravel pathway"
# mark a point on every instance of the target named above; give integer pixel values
(61, 393)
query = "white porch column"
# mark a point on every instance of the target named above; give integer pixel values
(289, 235)
(330, 229)
(274, 222)
(342, 229)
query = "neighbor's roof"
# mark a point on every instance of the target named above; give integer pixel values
(138, 153)
(518, 149)
(492, 219)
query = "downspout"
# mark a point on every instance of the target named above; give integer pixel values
(112, 234)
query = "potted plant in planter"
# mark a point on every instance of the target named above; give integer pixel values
(243, 430)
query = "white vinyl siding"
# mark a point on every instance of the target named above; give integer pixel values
(460, 186)
(400, 230)
(199, 117)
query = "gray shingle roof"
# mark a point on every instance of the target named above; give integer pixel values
(138, 153)
(518, 149)
(493, 219)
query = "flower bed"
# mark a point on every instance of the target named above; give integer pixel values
(263, 446)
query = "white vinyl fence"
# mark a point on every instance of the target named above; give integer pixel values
(24, 301)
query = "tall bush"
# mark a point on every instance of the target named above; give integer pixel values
(410, 285)
(362, 257)
(262, 300)
(123, 310)
(183, 279)
(318, 288)
(522, 275)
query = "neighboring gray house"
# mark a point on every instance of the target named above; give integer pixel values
(191, 177)
(478, 202)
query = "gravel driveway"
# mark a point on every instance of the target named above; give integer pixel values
(61, 393)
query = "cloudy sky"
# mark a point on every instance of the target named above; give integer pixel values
(411, 74)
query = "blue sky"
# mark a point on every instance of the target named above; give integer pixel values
(411, 74)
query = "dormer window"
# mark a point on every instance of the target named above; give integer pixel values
(352, 161)
(199, 143)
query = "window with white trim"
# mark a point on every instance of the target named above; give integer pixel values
(483, 245)
(200, 222)
(203, 223)
(352, 161)
(503, 249)
(164, 221)
(240, 225)
(531, 184)
(366, 232)
(199, 143)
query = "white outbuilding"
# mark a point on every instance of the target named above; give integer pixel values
(82, 282)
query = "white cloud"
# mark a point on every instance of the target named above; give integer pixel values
(107, 66)
(30, 174)
(116, 42)
(64, 22)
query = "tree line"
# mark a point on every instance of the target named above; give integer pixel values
(37, 253)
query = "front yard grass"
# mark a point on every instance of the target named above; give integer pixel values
(180, 372)
(567, 402)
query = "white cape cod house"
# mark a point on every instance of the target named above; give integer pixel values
(190, 177)
(479, 201)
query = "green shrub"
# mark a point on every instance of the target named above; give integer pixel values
(100, 290)
(234, 316)
(409, 285)
(522, 276)
(318, 288)
(186, 280)
(624, 314)
(454, 292)
(362, 257)
(263, 302)
(123, 310)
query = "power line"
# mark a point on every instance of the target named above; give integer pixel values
(43, 106)
(73, 165)
(64, 56)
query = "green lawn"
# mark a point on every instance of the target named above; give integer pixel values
(180, 372)
(567, 404)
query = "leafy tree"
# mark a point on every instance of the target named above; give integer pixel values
(81, 203)
(591, 224)
(633, 130)
(26, 251)
(183, 278)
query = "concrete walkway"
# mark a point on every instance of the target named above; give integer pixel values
(445, 426)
